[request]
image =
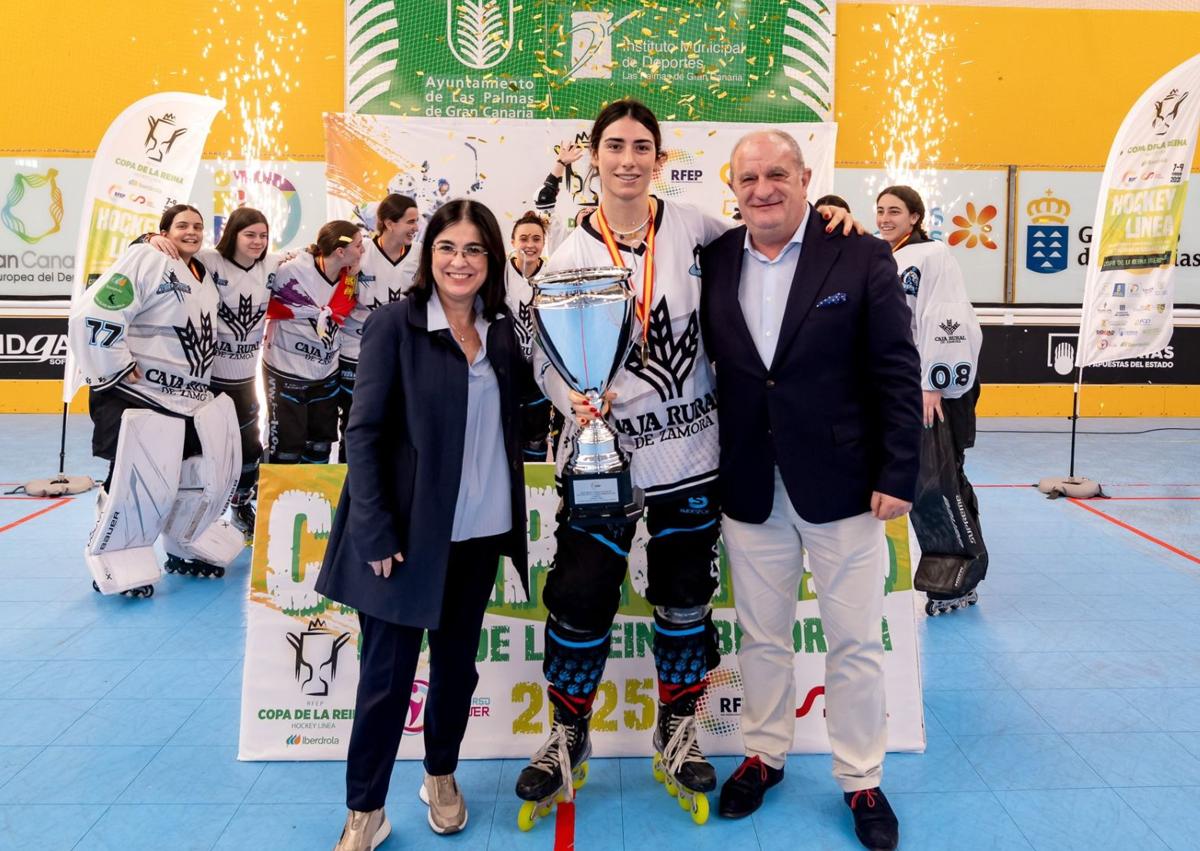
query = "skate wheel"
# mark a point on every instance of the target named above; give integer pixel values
(684, 802)
(657, 770)
(218, 572)
(95, 587)
(527, 816)
(700, 808)
(579, 776)
(931, 609)
(671, 790)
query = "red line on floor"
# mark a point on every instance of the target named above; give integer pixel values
(564, 826)
(1125, 526)
(58, 504)
(1128, 498)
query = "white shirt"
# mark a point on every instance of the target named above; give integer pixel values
(483, 507)
(380, 281)
(764, 289)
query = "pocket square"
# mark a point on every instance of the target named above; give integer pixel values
(830, 300)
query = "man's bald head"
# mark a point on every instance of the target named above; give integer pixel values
(786, 139)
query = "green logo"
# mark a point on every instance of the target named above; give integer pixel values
(54, 210)
(116, 293)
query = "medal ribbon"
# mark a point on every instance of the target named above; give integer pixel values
(643, 304)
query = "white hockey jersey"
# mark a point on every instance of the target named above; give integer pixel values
(304, 319)
(665, 410)
(151, 312)
(380, 282)
(244, 295)
(518, 294)
(944, 324)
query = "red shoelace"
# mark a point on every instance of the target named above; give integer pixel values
(752, 762)
(870, 794)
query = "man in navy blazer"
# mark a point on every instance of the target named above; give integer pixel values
(819, 385)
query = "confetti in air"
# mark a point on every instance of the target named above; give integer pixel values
(257, 64)
(908, 72)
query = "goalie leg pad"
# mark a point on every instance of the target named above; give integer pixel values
(132, 512)
(206, 486)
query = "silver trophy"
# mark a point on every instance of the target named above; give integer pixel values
(584, 323)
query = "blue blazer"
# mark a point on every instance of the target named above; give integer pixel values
(838, 409)
(404, 447)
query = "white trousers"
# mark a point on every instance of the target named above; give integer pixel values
(848, 560)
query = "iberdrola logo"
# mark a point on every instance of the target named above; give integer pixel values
(43, 223)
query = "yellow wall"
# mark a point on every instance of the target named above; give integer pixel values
(1038, 86)
(1031, 87)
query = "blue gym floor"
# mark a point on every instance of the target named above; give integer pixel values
(1063, 711)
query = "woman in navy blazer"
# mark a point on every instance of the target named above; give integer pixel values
(434, 495)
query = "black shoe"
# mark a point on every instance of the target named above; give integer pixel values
(875, 824)
(743, 792)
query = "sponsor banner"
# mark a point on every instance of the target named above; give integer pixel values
(1042, 354)
(38, 226)
(37, 233)
(290, 194)
(302, 650)
(758, 60)
(503, 163)
(1054, 220)
(146, 162)
(32, 347)
(1137, 224)
(965, 209)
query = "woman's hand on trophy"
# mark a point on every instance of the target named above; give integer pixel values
(836, 217)
(585, 411)
(383, 567)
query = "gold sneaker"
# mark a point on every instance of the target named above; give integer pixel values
(447, 809)
(364, 831)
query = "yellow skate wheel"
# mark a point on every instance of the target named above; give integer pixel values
(579, 776)
(700, 808)
(685, 802)
(657, 769)
(527, 816)
(671, 790)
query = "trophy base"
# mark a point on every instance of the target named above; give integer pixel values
(597, 499)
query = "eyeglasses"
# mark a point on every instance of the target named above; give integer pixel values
(473, 251)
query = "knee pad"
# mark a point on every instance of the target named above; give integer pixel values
(134, 508)
(685, 650)
(573, 665)
(194, 528)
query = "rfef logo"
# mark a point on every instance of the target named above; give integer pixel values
(719, 709)
(1046, 248)
(42, 218)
